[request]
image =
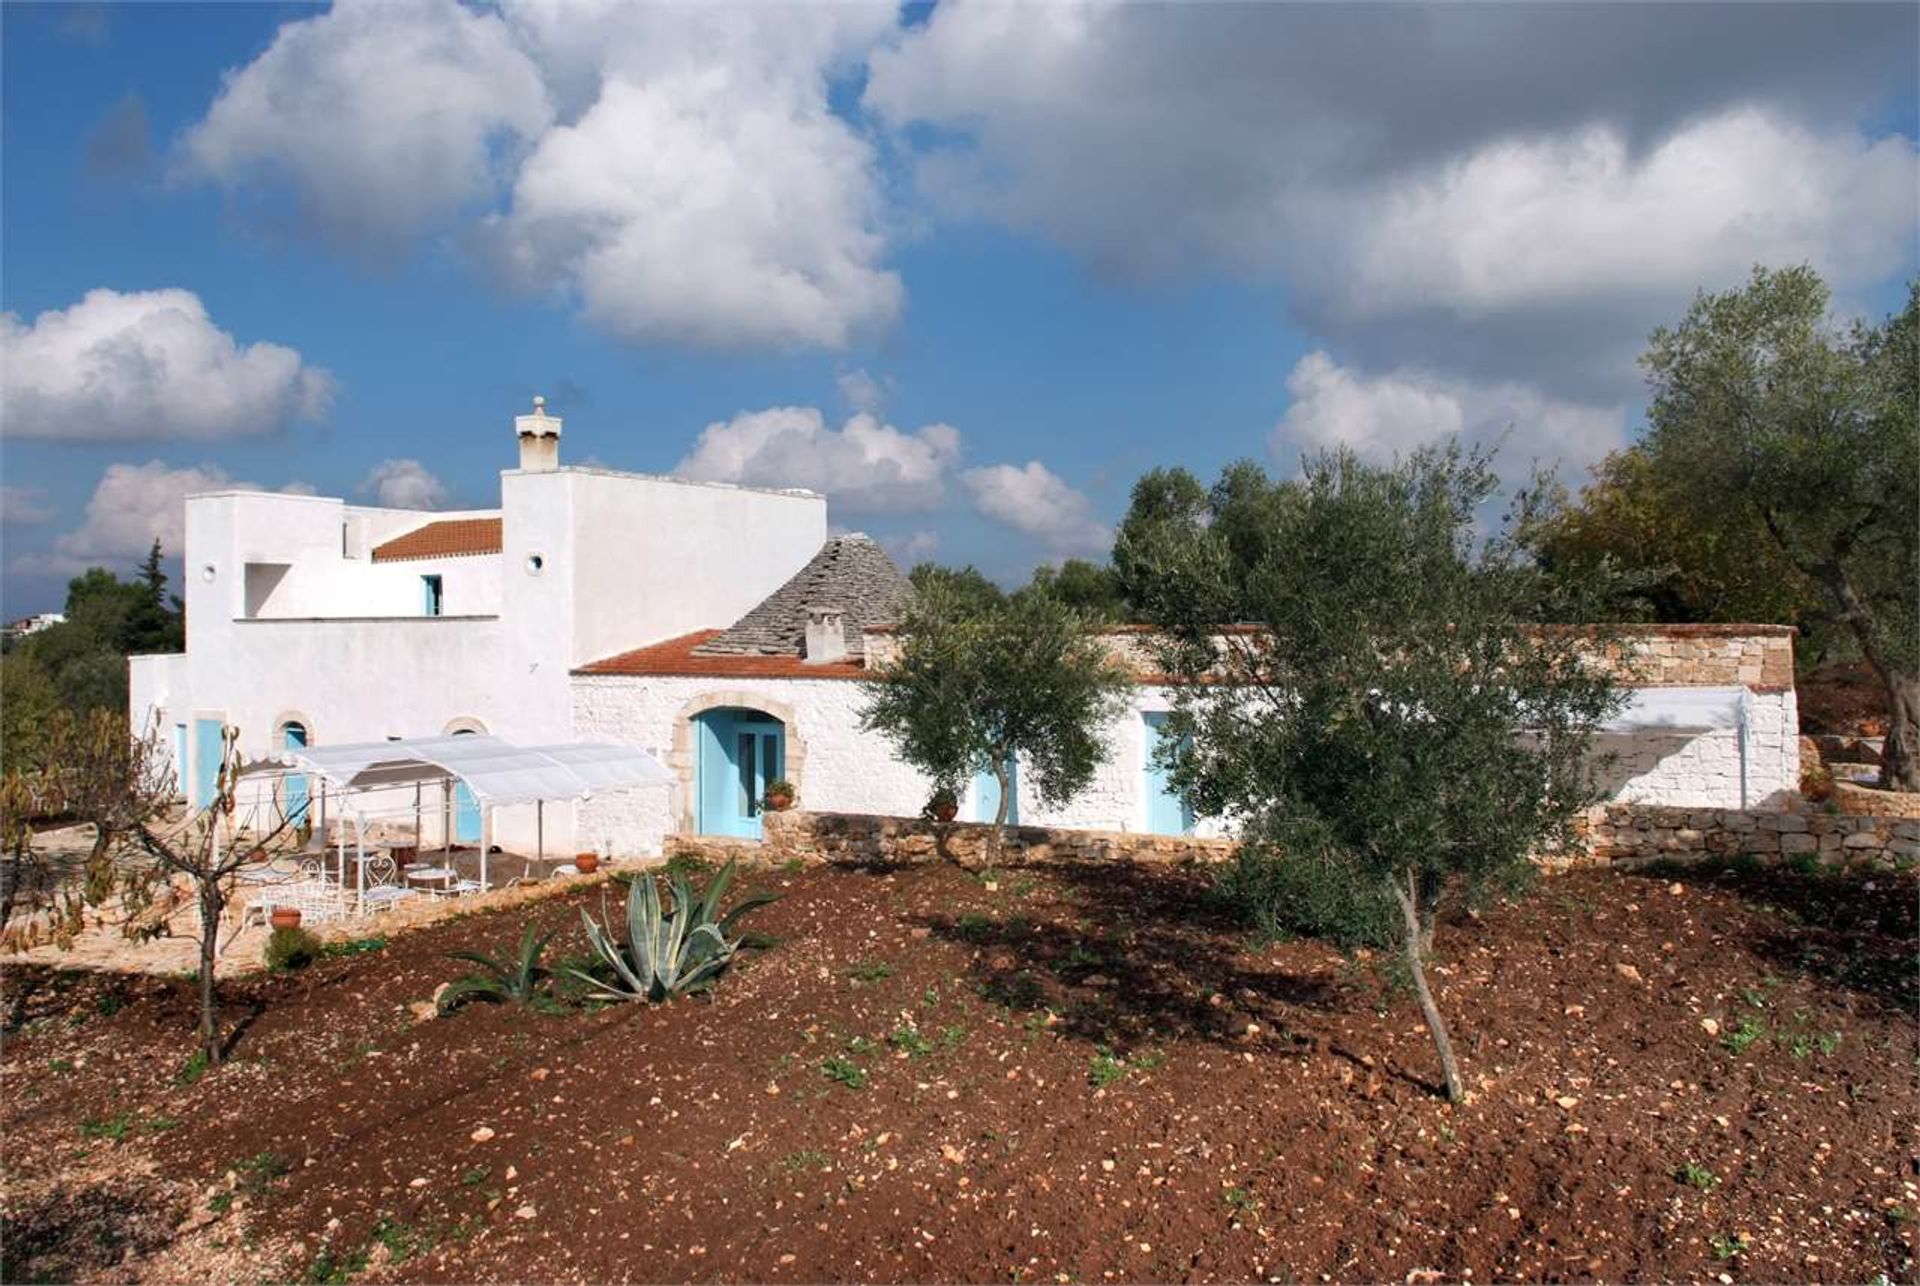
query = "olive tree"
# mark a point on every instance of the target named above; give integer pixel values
(984, 678)
(1363, 683)
(1783, 428)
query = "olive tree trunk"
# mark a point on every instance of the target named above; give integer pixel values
(999, 814)
(1415, 938)
(1900, 761)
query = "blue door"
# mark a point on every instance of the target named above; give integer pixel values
(1167, 812)
(741, 753)
(986, 794)
(466, 809)
(206, 760)
(294, 737)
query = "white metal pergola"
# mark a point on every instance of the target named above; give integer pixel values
(498, 773)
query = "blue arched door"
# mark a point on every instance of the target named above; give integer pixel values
(740, 753)
(466, 809)
(294, 795)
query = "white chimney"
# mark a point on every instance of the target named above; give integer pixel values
(826, 635)
(539, 438)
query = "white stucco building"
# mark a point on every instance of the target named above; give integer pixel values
(721, 629)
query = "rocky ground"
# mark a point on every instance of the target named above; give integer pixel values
(1076, 1075)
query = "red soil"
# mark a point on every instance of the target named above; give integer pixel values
(1260, 1113)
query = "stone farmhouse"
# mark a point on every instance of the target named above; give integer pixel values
(724, 630)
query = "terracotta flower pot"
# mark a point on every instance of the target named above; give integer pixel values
(586, 863)
(284, 917)
(780, 803)
(944, 812)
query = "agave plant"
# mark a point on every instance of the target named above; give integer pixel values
(517, 979)
(669, 951)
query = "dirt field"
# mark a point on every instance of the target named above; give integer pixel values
(1069, 1076)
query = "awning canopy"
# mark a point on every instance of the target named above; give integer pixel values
(1679, 710)
(496, 771)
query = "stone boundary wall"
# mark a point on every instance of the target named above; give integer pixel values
(868, 837)
(1872, 802)
(1623, 835)
(1634, 834)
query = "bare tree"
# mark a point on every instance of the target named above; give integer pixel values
(208, 850)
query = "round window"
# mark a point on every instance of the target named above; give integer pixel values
(535, 563)
(206, 573)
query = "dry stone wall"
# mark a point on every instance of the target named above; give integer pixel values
(868, 837)
(1616, 834)
(1631, 834)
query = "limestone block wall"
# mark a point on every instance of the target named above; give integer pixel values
(1628, 834)
(864, 837)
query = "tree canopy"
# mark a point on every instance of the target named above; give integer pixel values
(984, 678)
(80, 665)
(1388, 722)
(1778, 429)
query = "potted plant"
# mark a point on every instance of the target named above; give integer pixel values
(779, 796)
(943, 806)
(586, 863)
(284, 917)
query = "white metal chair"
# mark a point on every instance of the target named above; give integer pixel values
(383, 890)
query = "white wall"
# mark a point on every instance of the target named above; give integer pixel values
(655, 558)
(1704, 769)
(325, 548)
(847, 770)
(340, 643)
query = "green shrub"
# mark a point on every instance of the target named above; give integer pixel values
(516, 978)
(1286, 894)
(289, 949)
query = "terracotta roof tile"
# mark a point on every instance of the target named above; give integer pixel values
(448, 538)
(679, 656)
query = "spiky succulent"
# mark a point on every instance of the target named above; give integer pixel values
(517, 979)
(669, 951)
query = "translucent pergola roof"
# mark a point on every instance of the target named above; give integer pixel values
(496, 771)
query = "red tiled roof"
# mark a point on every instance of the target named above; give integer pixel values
(677, 656)
(448, 538)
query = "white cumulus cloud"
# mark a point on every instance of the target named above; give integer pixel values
(863, 466)
(1532, 224)
(382, 117)
(1034, 500)
(405, 484)
(131, 507)
(148, 364)
(1380, 416)
(676, 173)
(1581, 216)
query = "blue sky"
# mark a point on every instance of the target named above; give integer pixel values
(1036, 251)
